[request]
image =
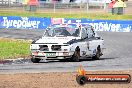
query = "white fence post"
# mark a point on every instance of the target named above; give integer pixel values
(87, 5)
(54, 6)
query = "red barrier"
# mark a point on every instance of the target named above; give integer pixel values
(111, 4)
(33, 2)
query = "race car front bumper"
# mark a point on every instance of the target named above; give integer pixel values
(51, 55)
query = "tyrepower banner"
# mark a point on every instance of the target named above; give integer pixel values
(24, 22)
(105, 25)
(16, 22)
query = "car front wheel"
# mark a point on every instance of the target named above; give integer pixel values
(76, 55)
(35, 60)
(75, 58)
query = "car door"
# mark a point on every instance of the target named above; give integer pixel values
(93, 41)
(83, 43)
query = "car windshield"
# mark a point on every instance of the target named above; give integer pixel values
(61, 31)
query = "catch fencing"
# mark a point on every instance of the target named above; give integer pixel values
(90, 6)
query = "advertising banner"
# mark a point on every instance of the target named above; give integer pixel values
(105, 25)
(42, 23)
(24, 22)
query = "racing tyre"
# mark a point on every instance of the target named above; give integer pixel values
(35, 60)
(81, 80)
(96, 57)
(76, 55)
(98, 54)
(76, 58)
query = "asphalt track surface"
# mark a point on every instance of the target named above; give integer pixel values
(117, 56)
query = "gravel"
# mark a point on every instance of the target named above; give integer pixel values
(56, 80)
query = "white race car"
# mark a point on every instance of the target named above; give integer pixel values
(67, 41)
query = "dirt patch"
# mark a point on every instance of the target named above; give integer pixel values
(54, 80)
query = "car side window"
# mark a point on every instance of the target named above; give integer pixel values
(90, 32)
(84, 33)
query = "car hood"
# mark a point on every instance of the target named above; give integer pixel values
(56, 40)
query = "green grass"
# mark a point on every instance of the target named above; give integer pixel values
(64, 15)
(10, 48)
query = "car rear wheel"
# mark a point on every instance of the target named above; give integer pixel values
(96, 57)
(98, 54)
(35, 60)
